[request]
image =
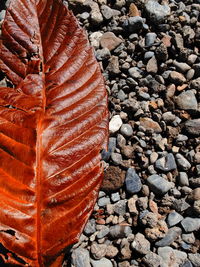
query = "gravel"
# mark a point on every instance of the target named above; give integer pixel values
(148, 210)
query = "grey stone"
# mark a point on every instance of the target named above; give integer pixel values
(102, 54)
(193, 127)
(157, 12)
(103, 201)
(126, 130)
(170, 237)
(158, 184)
(102, 263)
(135, 23)
(115, 197)
(132, 181)
(149, 54)
(152, 260)
(195, 259)
(120, 207)
(182, 67)
(103, 231)
(135, 73)
(150, 38)
(90, 227)
(174, 218)
(171, 257)
(189, 238)
(116, 158)
(119, 231)
(106, 12)
(187, 264)
(187, 100)
(180, 205)
(195, 84)
(177, 77)
(182, 162)
(166, 163)
(190, 224)
(81, 257)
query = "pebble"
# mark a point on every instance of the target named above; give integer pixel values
(102, 202)
(90, 227)
(152, 66)
(174, 218)
(182, 162)
(166, 163)
(115, 124)
(157, 13)
(110, 41)
(101, 263)
(151, 259)
(195, 259)
(115, 197)
(119, 231)
(126, 130)
(158, 184)
(188, 238)
(134, 24)
(170, 237)
(140, 244)
(81, 257)
(113, 180)
(190, 224)
(172, 257)
(177, 78)
(95, 39)
(181, 66)
(98, 251)
(132, 181)
(150, 125)
(120, 207)
(187, 100)
(150, 38)
(192, 127)
(112, 251)
(103, 231)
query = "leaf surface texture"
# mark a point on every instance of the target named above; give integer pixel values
(53, 125)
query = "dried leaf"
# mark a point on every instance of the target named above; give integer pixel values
(53, 125)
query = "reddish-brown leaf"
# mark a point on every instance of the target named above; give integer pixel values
(53, 125)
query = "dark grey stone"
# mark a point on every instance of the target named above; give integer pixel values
(158, 184)
(166, 163)
(132, 181)
(192, 127)
(170, 237)
(119, 231)
(174, 218)
(190, 224)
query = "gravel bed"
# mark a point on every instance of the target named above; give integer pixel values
(148, 210)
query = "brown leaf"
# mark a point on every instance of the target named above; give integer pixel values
(53, 125)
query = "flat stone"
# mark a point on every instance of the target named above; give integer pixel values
(181, 66)
(113, 65)
(150, 38)
(103, 231)
(152, 260)
(192, 127)
(189, 238)
(134, 24)
(158, 184)
(135, 73)
(187, 100)
(190, 224)
(115, 124)
(101, 263)
(170, 237)
(174, 218)
(115, 197)
(110, 40)
(81, 257)
(182, 162)
(132, 181)
(140, 244)
(150, 125)
(195, 259)
(183, 179)
(103, 201)
(166, 163)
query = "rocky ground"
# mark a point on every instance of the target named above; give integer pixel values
(148, 210)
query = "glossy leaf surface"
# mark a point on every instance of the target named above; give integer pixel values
(53, 125)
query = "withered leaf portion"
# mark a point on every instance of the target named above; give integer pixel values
(53, 125)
